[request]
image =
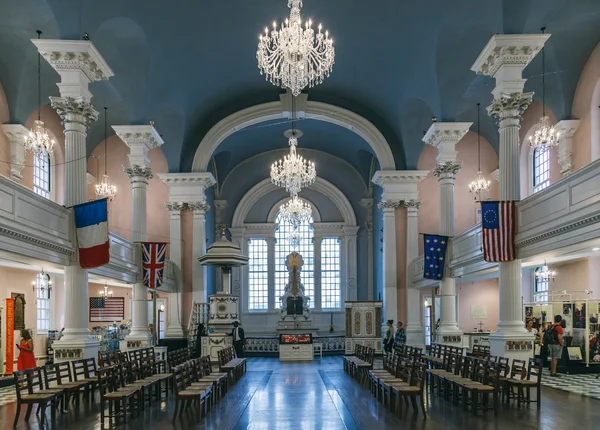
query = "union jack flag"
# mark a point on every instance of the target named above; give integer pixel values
(153, 262)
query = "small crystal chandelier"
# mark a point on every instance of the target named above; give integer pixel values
(43, 283)
(104, 189)
(294, 57)
(38, 140)
(544, 135)
(480, 187)
(293, 172)
(295, 211)
(295, 238)
(545, 274)
(105, 293)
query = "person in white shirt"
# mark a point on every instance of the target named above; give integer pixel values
(239, 339)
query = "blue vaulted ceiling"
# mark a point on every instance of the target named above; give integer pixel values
(188, 64)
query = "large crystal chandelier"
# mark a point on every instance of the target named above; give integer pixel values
(105, 189)
(294, 57)
(545, 274)
(544, 135)
(38, 140)
(295, 211)
(293, 172)
(480, 187)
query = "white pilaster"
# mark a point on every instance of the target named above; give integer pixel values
(368, 205)
(16, 134)
(504, 58)
(349, 244)
(199, 287)
(78, 63)
(567, 129)
(316, 298)
(237, 238)
(415, 336)
(174, 322)
(397, 187)
(140, 139)
(445, 136)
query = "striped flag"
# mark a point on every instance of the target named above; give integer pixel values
(498, 222)
(91, 222)
(153, 259)
(107, 308)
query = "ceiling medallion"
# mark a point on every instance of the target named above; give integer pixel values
(480, 187)
(38, 140)
(293, 172)
(294, 57)
(544, 135)
(105, 189)
(295, 212)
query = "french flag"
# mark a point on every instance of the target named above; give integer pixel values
(91, 222)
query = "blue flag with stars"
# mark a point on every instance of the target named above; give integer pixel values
(435, 256)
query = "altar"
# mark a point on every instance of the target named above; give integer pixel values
(296, 347)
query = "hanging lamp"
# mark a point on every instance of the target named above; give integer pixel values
(105, 189)
(544, 135)
(38, 140)
(480, 187)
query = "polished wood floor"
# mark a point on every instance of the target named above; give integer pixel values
(320, 395)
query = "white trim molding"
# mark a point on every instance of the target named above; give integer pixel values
(280, 110)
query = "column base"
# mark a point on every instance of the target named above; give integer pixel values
(75, 348)
(449, 335)
(415, 336)
(512, 345)
(136, 340)
(174, 332)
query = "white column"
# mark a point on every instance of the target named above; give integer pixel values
(199, 287)
(368, 205)
(504, 58)
(349, 243)
(390, 286)
(16, 133)
(140, 139)
(78, 63)
(237, 238)
(316, 298)
(174, 321)
(445, 136)
(415, 335)
(567, 129)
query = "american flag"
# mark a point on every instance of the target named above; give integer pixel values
(153, 258)
(107, 308)
(498, 222)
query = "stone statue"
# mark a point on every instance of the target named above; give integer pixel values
(294, 299)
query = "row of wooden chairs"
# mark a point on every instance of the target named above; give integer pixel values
(439, 352)
(403, 380)
(195, 382)
(178, 357)
(359, 364)
(228, 363)
(480, 351)
(408, 351)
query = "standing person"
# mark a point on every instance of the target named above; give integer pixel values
(200, 332)
(239, 339)
(400, 336)
(553, 340)
(388, 340)
(26, 358)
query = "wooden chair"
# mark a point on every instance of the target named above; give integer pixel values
(81, 374)
(64, 378)
(490, 384)
(26, 395)
(534, 369)
(518, 373)
(184, 395)
(40, 386)
(115, 395)
(414, 390)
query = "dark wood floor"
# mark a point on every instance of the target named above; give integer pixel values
(321, 396)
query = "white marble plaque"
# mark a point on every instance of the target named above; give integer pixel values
(478, 312)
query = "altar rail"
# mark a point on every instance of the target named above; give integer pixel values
(565, 214)
(267, 346)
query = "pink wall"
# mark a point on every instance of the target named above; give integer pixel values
(570, 276)
(401, 262)
(464, 203)
(478, 293)
(120, 208)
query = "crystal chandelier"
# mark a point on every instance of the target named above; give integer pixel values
(105, 189)
(295, 211)
(294, 57)
(38, 140)
(293, 172)
(480, 187)
(295, 238)
(545, 274)
(43, 283)
(544, 134)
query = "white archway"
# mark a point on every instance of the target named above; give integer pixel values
(265, 186)
(277, 110)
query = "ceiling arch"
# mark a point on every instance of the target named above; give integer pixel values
(265, 186)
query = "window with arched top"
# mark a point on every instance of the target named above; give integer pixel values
(540, 168)
(540, 287)
(41, 174)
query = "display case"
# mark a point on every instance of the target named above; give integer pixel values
(286, 339)
(296, 347)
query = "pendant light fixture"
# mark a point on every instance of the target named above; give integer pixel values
(38, 140)
(480, 187)
(544, 136)
(105, 190)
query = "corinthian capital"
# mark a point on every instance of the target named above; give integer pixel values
(137, 173)
(510, 106)
(412, 205)
(174, 206)
(199, 207)
(447, 169)
(74, 110)
(388, 204)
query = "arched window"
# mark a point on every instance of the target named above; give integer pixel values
(541, 168)
(41, 174)
(283, 248)
(258, 275)
(540, 287)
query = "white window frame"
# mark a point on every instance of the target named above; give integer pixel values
(331, 286)
(258, 275)
(540, 286)
(42, 175)
(43, 307)
(540, 168)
